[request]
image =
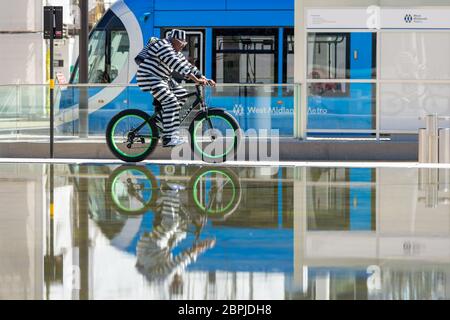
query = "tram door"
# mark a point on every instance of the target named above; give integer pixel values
(337, 99)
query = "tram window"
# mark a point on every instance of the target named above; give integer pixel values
(194, 50)
(120, 48)
(108, 51)
(97, 58)
(328, 56)
(245, 55)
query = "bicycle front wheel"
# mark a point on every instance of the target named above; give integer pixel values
(131, 135)
(216, 192)
(215, 136)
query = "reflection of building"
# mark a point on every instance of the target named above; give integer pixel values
(23, 56)
(21, 232)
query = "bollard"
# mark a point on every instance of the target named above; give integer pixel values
(444, 157)
(432, 125)
(423, 146)
(444, 145)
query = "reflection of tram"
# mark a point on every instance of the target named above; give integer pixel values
(374, 234)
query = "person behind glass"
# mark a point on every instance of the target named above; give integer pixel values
(159, 60)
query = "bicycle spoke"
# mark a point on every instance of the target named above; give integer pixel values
(131, 190)
(127, 140)
(215, 142)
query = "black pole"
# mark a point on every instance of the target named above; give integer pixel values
(52, 84)
(83, 67)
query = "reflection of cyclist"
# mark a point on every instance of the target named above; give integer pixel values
(323, 89)
(211, 194)
(154, 252)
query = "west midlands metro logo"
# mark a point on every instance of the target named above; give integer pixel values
(238, 110)
(408, 18)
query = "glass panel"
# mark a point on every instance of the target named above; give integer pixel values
(342, 55)
(97, 54)
(245, 68)
(254, 107)
(97, 59)
(8, 112)
(401, 105)
(415, 55)
(353, 108)
(120, 48)
(109, 102)
(249, 57)
(261, 107)
(328, 55)
(192, 51)
(8, 101)
(24, 111)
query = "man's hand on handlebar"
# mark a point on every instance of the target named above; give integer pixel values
(209, 82)
(203, 81)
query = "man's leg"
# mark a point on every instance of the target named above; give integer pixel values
(179, 91)
(170, 108)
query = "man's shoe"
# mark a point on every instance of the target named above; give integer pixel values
(172, 142)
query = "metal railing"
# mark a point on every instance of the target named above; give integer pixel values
(332, 108)
(26, 116)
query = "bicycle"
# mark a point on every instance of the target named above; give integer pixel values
(132, 135)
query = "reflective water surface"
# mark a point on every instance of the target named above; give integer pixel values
(191, 232)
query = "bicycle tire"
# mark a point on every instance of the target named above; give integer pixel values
(121, 154)
(199, 151)
(230, 208)
(112, 198)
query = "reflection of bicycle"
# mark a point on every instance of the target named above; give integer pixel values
(212, 192)
(132, 135)
(417, 97)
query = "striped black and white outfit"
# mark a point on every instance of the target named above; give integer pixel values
(155, 75)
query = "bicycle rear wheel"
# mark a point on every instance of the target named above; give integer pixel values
(215, 136)
(132, 190)
(131, 135)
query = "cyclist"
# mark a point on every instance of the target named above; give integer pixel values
(163, 58)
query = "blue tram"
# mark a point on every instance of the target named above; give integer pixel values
(231, 41)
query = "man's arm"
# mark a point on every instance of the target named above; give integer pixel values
(199, 78)
(169, 56)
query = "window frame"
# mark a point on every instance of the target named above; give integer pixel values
(347, 36)
(192, 31)
(286, 33)
(245, 32)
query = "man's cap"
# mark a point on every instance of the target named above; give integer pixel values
(177, 34)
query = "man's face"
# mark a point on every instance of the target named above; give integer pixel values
(178, 45)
